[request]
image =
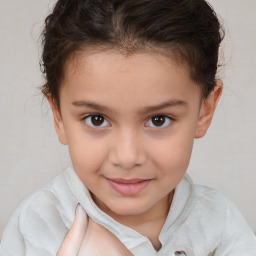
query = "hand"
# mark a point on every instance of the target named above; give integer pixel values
(88, 238)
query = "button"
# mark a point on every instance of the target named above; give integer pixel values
(180, 253)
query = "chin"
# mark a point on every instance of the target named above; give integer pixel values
(130, 208)
(129, 212)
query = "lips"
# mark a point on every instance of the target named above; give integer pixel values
(128, 187)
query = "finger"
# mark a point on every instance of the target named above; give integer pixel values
(99, 241)
(73, 239)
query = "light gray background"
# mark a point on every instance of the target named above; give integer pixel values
(30, 154)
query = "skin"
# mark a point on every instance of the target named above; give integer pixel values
(127, 93)
(83, 239)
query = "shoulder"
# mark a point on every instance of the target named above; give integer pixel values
(205, 199)
(224, 221)
(211, 200)
(54, 201)
(215, 205)
(209, 197)
(42, 219)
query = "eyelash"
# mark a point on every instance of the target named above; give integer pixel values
(171, 120)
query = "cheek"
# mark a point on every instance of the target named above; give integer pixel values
(173, 154)
(87, 155)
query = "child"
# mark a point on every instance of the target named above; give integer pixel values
(131, 83)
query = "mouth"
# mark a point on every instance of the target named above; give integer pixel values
(128, 187)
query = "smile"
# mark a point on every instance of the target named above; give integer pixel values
(128, 187)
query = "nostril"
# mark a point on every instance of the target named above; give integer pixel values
(180, 253)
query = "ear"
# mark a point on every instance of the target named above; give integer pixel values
(207, 110)
(58, 123)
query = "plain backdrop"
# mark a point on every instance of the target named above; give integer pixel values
(30, 154)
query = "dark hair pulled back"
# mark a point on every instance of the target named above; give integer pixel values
(187, 30)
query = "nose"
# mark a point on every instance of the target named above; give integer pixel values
(127, 151)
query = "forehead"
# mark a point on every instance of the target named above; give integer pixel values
(95, 59)
(140, 77)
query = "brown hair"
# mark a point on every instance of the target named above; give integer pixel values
(187, 29)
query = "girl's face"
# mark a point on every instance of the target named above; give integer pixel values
(129, 123)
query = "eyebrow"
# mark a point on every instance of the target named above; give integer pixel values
(148, 109)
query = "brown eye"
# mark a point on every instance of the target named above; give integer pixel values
(96, 121)
(160, 121)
